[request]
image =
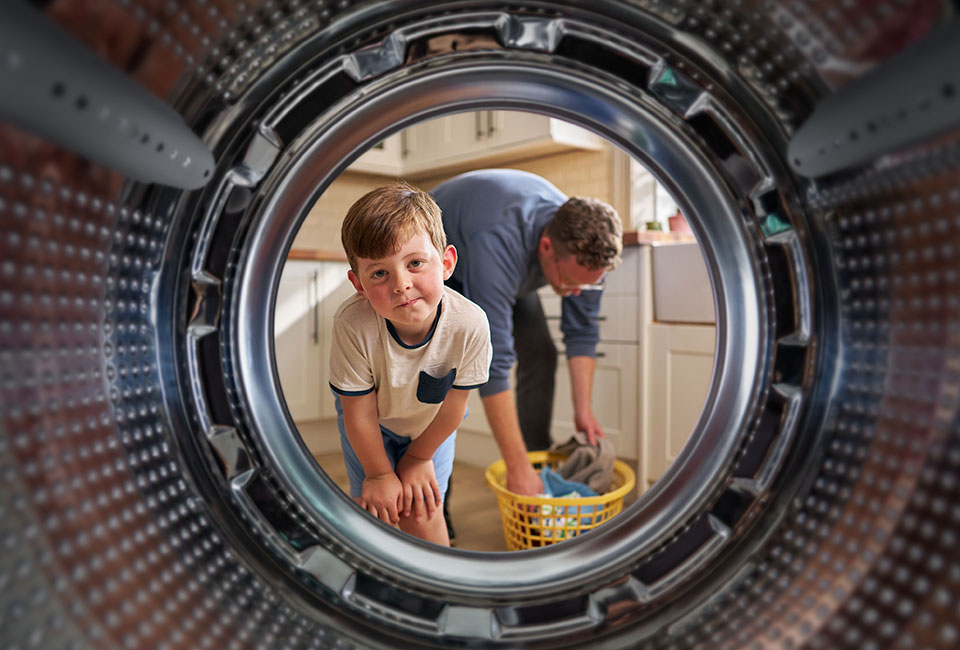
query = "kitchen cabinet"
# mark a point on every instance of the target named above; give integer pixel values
(614, 398)
(334, 289)
(297, 340)
(462, 141)
(679, 373)
(437, 143)
(528, 132)
(385, 157)
(483, 138)
(307, 299)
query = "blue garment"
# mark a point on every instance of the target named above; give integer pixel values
(495, 218)
(396, 447)
(555, 485)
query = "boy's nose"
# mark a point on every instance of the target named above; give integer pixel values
(401, 282)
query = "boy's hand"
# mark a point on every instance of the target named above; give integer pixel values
(381, 496)
(421, 492)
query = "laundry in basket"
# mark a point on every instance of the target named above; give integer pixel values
(560, 522)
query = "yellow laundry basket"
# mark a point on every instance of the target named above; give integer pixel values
(530, 522)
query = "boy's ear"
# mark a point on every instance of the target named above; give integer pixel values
(355, 281)
(449, 261)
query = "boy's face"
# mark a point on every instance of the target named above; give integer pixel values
(405, 287)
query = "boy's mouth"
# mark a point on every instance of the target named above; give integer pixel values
(409, 303)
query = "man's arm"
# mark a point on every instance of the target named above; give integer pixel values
(421, 492)
(581, 381)
(501, 413)
(381, 487)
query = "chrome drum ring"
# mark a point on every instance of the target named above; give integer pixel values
(818, 476)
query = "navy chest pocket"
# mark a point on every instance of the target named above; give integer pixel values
(432, 390)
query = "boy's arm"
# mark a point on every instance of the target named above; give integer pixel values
(415, 469)
(381, 495)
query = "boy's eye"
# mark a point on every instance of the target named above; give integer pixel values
(416, 264)
(376, 275)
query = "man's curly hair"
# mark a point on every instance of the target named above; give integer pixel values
(588, 229)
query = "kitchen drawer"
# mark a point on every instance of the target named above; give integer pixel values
(623, 279)
(618, 317)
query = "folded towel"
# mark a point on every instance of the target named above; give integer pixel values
(586, 463)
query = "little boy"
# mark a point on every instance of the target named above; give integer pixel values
(406, 351)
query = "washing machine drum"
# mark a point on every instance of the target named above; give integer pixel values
(155, 493)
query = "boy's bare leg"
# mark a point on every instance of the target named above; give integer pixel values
(430, 530)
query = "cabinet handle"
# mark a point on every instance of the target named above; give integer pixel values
(601, 355)
(477, 119)
(316, 308)
(404, 149)
(490, 126)
(598, 318)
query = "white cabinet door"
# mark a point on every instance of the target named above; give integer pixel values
(679, 372)
(445, 141)
(614, 398)
(488, 138)
(508, 130)
(296, 331)
(385, 157)
(334, 289)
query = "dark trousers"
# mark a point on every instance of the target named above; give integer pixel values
(536, 371)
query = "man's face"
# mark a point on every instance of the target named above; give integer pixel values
(566, 276)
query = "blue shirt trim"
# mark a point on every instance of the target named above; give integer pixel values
(350, 393)
(469, 387)
(433, 328)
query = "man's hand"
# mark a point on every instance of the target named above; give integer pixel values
(421, 492)
(524, 480)
(381, 497)
(588, 424)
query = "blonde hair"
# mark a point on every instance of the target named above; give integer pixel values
(588, 229)
(382, 220)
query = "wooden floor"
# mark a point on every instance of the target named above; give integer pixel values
(473, 507)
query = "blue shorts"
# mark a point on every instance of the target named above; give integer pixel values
(395, 446)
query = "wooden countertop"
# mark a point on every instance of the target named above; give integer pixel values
(643, 237)
(630, 238)
(314, 255)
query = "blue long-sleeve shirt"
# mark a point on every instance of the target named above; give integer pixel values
(495, 218)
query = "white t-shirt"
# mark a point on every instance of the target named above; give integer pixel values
(411, 381)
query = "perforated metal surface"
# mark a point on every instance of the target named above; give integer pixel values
(143, 504)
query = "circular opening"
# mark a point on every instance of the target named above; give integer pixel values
(690, 171)
(661, 266)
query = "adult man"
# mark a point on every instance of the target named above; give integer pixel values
(515, 232)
